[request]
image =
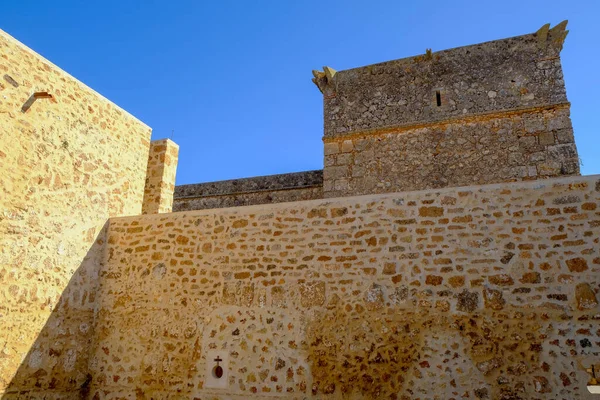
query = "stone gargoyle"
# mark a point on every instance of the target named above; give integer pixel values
(325, 81)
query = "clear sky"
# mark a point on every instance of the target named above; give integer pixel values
(232, 79)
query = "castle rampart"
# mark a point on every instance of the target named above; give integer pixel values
(441, 270)
(489, 291)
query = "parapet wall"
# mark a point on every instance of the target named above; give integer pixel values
(270, 189)
(480, 292)
(69, 160)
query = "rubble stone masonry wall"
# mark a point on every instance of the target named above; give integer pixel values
(296, 186)
(511, 147)
(486, 113)
(485, 292)
(69, 160)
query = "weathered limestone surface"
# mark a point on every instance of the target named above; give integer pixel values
(510, 147)
(67, 164)
(485, 292)
(160, 177)
(486, 113)
(492, 77)
(307, 185)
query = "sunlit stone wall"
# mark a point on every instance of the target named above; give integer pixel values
(481, 291)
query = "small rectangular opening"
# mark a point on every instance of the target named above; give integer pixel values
(438, 98)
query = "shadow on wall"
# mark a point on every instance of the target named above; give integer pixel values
(56, 365)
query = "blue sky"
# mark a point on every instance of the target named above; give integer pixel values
(232, 79)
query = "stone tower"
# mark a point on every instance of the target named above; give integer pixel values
(486, 113)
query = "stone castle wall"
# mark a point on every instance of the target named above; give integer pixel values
(69, 160)
(484, 292)
(486, 113)
(297, 186)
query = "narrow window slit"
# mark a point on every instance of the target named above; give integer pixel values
(438, 98)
